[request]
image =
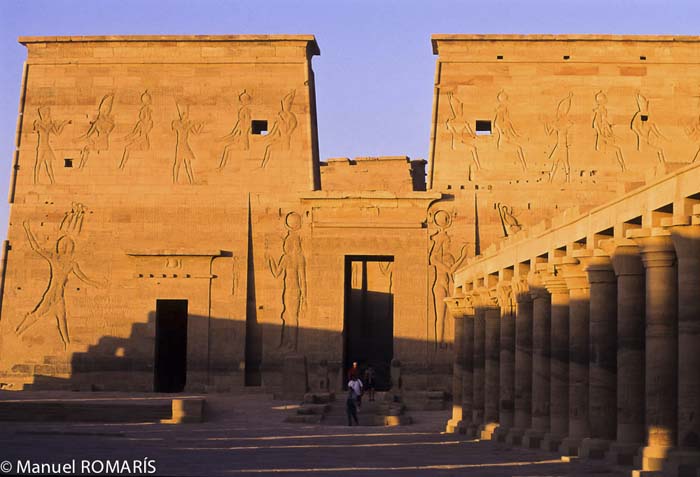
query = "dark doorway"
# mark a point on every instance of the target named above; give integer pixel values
(369, 316)
(170, 370)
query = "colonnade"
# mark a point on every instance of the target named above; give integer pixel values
(591, 349)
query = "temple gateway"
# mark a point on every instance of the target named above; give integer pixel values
(173, 228)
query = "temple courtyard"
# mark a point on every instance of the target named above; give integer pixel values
(246, 435)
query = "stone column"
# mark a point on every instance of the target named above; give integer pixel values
(661, 364)
(468, 371)
(579, 302)
(459, 309)
(478, 369)
(541, 349)
(686, 241)
(491, 371)
(523, 363)
(602, 364)
(506, 410)
(559, 362)
(631, 308)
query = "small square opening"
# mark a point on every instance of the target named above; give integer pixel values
(566, 57)
(259, 126)
(645, 117)
(643, 58)
(67, 162)
(499, 57)
(483, 127)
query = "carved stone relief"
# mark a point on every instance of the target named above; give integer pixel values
(282, 129)
(460, 130)
(646, 129)
(693, 133)
(137, 139)
(560, 128)
(509, 221)
(443, 265)
(240, 134)
(97, 135)
(44, 127)
(506, 133)
(605, 137)
(62, 264)
(184, 155)
(291, 267)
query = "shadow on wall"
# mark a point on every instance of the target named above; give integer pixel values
(213, 358)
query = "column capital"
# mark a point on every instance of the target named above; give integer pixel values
(505, 296)
(485, 298)
(686, 241)
(574, 271)
(521, 289)
(535, 283)
(599, 267)
(625, 256)
(460, 307)
(655, 245)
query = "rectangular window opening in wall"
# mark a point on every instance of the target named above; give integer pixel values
(483, 127)
(259, 127)
(566, 57)
(67, 162)
(645, 117)
(499, 57)
(643, 58)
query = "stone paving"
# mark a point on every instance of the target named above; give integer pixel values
(246, 436)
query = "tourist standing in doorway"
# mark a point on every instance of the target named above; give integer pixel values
(352, 402)
(354, 372)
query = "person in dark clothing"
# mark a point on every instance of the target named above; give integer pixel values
(354, 388)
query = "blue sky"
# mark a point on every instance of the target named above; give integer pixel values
(375, 74)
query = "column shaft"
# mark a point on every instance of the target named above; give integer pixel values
(478, 369)
(523, 363)
(491, 370)
(507, 369)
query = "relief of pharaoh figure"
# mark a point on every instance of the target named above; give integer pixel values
(460, 130)
(44, 127)
(240, 134)
(281, 132)
(505, 130)
(560, 128)
(291, 266)
(62, 264)
(443, 265)
(604, 134)
(137, 139)
(645, 129)
(97, 135)
(184, 155)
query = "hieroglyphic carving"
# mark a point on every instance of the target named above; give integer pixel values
(184, 155)
(291, 266)
(604, 134)
(241, 130)
(137, 139)
(97, 135)
(44, 127)
(443, 264)
(505, 130)
(281, 132)
(62, 264)
(460, 130)
(646, 129)
(509, 222)
(560, 128)
(693, 132)
(72, 223)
